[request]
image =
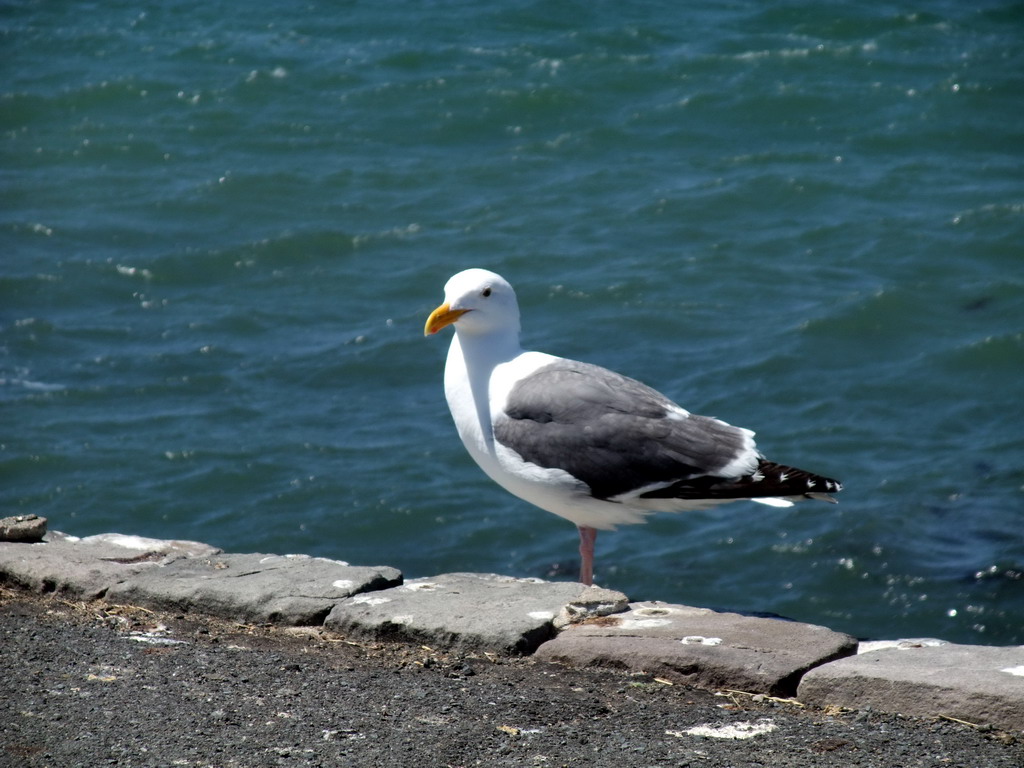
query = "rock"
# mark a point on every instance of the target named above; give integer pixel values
(260, 588)
(23, 528)
(460, 611)
(87, 568)
(983, 685)
(592, 603)
(701, 647)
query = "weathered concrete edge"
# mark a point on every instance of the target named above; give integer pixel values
(1014, 721)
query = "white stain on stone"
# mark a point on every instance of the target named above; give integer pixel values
(329, 560)
(1018, 671)
(700, 640)
(541, 615)
(371, 599)
(139, 543)
(642, 623)
(729, 731)
(300, 557)
(343, 584)
(900, 645)
(652, 611)
(403, 620)
(421, 586)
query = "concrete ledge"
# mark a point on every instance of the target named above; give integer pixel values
(563, 622)
(87, 568)
(701, 647)
(465, 611)
(980, 684)
(278, 589)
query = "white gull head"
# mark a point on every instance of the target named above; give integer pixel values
(478, 302)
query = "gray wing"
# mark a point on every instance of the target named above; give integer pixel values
(612, 432)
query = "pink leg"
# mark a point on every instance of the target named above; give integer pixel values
(587, 538)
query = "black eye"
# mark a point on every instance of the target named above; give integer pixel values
(486, 293)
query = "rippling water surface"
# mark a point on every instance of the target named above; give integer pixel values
(223, 225)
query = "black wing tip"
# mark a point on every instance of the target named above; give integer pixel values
(782, 476)
(770, 480)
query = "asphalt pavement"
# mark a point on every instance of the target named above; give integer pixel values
(99, 684)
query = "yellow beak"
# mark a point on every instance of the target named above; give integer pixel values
(441, 317)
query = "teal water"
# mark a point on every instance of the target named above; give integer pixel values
(223, 225)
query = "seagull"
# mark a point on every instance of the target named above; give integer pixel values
(583, 442)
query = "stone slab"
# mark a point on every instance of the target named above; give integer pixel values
(86, 568)
(981, 684)
(258, 588)
(467, 611)
(701, 647)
